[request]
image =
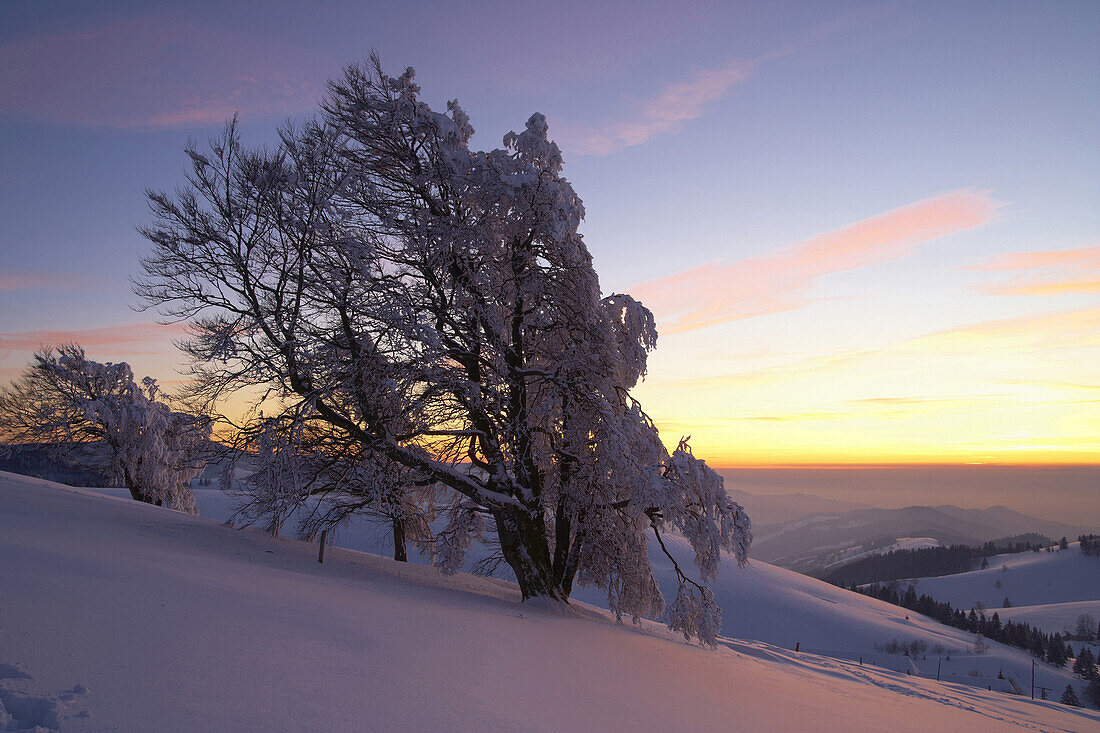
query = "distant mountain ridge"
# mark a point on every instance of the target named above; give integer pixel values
(766, 509)
(818, 540)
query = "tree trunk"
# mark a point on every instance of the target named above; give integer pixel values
(523, 543)
(399, 540)
(135, 492)
(567, 548)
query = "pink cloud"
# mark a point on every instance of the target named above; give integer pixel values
(677, 103)
(718, 292)
(126, 334)
(159, 71)
(44, 280)
(1088, 256)
(1053, 272)
(688, 98)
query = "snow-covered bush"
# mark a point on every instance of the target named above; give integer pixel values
(434, 308)
(96, 416)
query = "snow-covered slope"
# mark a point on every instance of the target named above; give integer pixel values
(122, 616)
(781, 607)
(787, 609)
(1025, 578)
(1052, 617)
(1046, 589)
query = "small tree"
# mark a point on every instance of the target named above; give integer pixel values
(1093, 690)
(1085, 664)
(1086, 627)
(96, 416)
(1063, 544)
(1069, 697)
(1058, 651)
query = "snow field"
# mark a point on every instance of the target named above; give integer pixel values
(171, 621)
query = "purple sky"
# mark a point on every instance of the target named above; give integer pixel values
(869, 231)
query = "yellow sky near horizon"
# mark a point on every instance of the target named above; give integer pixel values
(774, 359)
(763, 366)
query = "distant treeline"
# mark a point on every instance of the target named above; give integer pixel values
(1090, 544)
(1049, 647)
(927, 562)
(43, 461)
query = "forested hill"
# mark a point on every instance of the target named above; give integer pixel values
(927, 562)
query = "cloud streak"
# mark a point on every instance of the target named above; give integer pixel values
(126, 334)
(21, 280)
(1053, 272)
(995, 342)
(676, 104)
(718, 292)
(153, 72)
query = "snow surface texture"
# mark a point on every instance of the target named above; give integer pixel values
(1046, 589)
(1026, 578)
(174, 621)
(787, 609)
(20, 711)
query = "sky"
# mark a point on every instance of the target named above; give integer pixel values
(870, 232)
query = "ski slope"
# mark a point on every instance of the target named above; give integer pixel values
(122, 616)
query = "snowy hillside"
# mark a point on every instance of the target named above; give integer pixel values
(1025, 578)
(118, 615)
(784, 608)
(787, 609)
(1046, 589)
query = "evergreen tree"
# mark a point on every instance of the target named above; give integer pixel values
(1069, 697)
(1093, 690)
(1085, 664)
(1057, 653)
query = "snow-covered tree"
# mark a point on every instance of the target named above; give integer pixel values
(436, 306)
(98, 417)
